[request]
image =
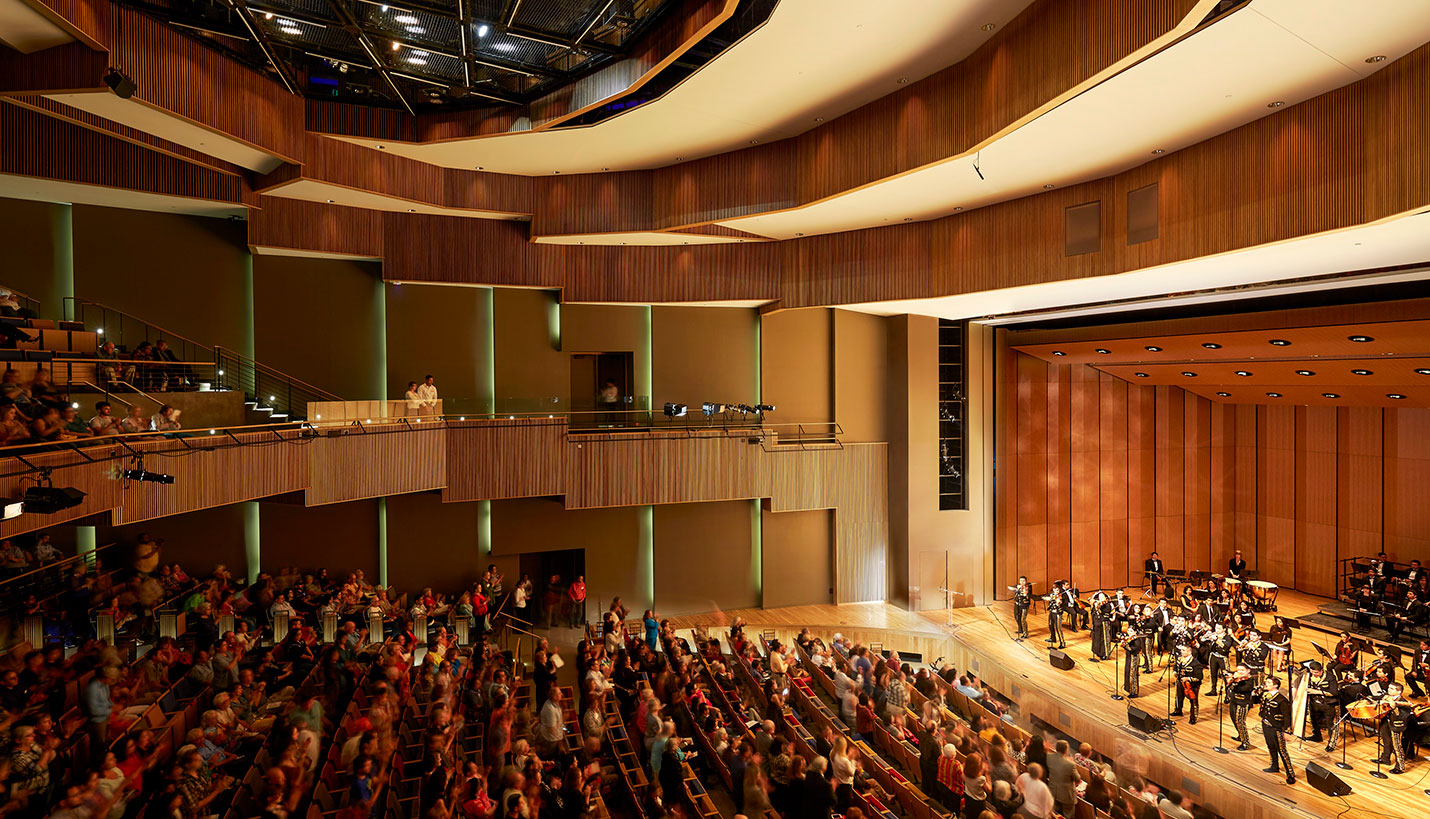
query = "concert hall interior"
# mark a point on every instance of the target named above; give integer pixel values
(778, 409)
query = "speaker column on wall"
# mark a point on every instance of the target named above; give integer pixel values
(1325, 781)
(1060, 659)
(1143, 721)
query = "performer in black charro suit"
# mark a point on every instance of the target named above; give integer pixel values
(1419, 669)
(1218, 654)
(1189, 681)
(1324, 704)
(1134, 642)
(1252, 654)
(1398, 713)
(1022, 598)
(1055, 616)
(1275, 720)
(1101, 625)
(1240, 691)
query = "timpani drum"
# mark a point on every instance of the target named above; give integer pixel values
(1233, 585)
(1263, 593)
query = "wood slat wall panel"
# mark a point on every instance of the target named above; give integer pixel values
(1079, 563)
(1196, 477)
(376, 465)
(1245, 493)
(56, 149)
(1221, 502)
(1031, 498)
(1064, 471)
(1360, 473)
(88, 20)
(203, 480)
(299, 225)
(495, 460)
(102, 492)
(1111, 566)
(1006, 566)
(1171, 454)
(1316, 441)
(1141, 478)
(1407, 473)
(1276, 501)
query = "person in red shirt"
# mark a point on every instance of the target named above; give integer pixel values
(576, 601)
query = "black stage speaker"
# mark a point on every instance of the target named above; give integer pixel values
(1060, 659)
(1325, 781)
(1143, 721)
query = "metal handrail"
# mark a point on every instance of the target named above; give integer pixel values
(30, 302)
(71, 302)
(63, 563)
(267, 370)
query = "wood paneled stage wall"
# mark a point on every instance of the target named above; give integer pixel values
(1095, 472)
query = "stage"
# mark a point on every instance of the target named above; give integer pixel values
(1079, 703)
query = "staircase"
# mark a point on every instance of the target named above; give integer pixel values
(270, 396)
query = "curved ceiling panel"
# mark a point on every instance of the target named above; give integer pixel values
(811, 62)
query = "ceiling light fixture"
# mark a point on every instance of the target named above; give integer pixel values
(754, 142)
(1211, 345)
(1395, 395)
(1360, 339)
(1189, 373)
(268, 15)
(799, 234)
(1224, 394)
(416, 30)
(1059, 352)
(819, 119)
(1140, 375)
(1330, 395)
(1273, 395)
(1244, 373)
(1379, 58)
(1276, 104)
(1047, 187)
(1103, 351)
(1362, 372)
(404, 18)
(396, 46)
(1158, 151)
(482, 30)
(903, 80)
(908, 218)
(1422, 370)
(290, 30)
(957, 209)
(1279, 342)
(1152, 348)
(1305, 372)
(988, 26)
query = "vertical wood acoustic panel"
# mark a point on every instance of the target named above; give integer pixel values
(1316, 500)
(1109, 569)
(1171, 415)
(1276, 508)
(1141, 478)
(216, 478)
(1196, 491)
(1221, 503)
(1063, 471)
(1005, 552)
(1032, 493)
(1080, 565)
(1407, 514)
(1247, 491)
(1360, 473)
(376, 465)
(505, 458)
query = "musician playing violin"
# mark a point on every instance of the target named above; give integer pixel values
(1399, 712)
(1382, 667)
(1055, 616)
(1189, 681)
(1022, 598)
(1347, 654)
(1419, 670)
(1244, 620)
(1253, 653)
(1134, 644)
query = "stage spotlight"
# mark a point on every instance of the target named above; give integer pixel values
(142, 476)
(764, 408)
(12, 510)
(675, 410)
(711, 408)
(46, 500)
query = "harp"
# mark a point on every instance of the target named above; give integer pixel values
(1300, 692)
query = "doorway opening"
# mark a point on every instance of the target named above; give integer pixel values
(601, 388)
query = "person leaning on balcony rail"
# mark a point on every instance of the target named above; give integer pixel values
(12, 426)
(73, 426)
(427, 394)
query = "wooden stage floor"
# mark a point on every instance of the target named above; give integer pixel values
(1079, 701)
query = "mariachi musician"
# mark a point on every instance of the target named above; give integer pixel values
(1134, 644)
(1399, 712)
(1073, 607)
(1244, 620)
(1102, 619)
(1419, 670)
(1218, 653)
(1324, 704)
(1121, 605)
(1252, 654)
(1275, 720)
(1240, 691)
(1347, 654)
(1022, 598)
(1189, 681)
(1055, 616)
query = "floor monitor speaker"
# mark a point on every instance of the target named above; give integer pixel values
(1060, 659)
(1143, 721)
(1325, 781)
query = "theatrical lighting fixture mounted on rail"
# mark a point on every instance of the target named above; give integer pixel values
(139, 474)
(44, 499)
(675, 410)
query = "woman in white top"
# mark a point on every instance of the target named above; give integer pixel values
(842, 768)
(1037, 797)
(414, 401)
(134, 421)
(519, 597)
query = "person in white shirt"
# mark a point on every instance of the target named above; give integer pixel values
(414, 401)
(427, 394)
(1175, 806)
(1037, 797)
(551, 725)
(45, 551)
(166, 420)
(104, 422)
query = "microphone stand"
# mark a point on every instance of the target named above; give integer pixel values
(1343, 765)
(1220, 722)
(1116, 680)
(1379, 752)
